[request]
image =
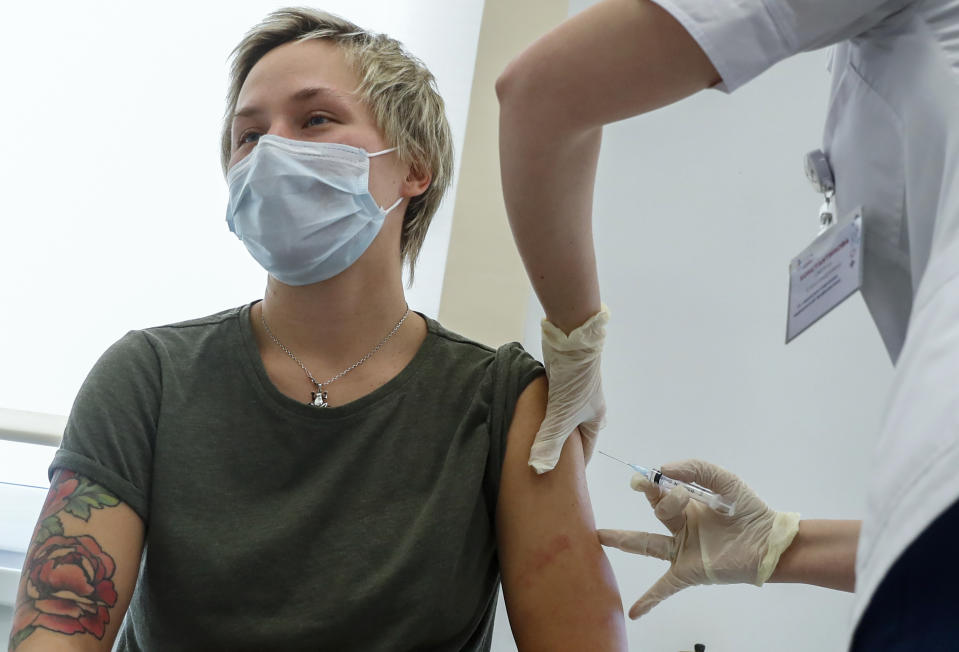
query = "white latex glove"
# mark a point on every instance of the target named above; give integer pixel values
(706, 547)
(575, 389)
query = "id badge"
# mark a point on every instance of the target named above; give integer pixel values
(825, 273)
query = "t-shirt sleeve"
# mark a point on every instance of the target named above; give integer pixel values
(743, 38)
(111, 431)
(513, 370)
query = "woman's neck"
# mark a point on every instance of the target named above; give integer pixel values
(335, 322)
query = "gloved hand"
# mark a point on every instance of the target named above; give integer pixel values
(575, 389)
(706, 547)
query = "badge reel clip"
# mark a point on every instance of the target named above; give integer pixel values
(819, 174)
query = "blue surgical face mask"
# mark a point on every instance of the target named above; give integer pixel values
(304, 209)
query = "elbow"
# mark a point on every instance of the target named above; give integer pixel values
(508, 82)
(533, 103)
(523, 114)
(525, 86)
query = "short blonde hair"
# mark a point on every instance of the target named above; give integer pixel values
(398, 89)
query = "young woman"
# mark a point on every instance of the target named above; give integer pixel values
(323, 468)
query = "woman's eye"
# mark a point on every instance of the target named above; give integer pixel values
(316, 121)
(249, 137)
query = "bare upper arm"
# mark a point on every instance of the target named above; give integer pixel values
(616, 59)
(80, 570)
(559, 588)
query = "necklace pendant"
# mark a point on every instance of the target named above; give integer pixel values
(318, 398)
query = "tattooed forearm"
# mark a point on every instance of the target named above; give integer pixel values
(67, 584)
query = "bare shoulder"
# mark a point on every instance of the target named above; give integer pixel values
(559, 589)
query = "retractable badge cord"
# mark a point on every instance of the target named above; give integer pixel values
(820, 176)
(828, 271)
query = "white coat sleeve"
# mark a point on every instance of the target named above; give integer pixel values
(742, 38)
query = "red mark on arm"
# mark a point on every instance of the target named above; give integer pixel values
(542, 558)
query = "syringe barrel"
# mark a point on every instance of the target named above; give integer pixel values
(723, 506)
(705, 496)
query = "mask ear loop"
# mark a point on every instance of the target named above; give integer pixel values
(386, 211)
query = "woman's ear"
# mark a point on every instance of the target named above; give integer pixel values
(417, 181)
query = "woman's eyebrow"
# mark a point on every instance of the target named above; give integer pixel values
(301, 95)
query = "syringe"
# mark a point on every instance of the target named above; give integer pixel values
(666, 484)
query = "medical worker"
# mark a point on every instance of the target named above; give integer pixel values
(891, 146)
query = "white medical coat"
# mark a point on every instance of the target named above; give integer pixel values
(892, 138)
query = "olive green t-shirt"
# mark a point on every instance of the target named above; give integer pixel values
(274, 525)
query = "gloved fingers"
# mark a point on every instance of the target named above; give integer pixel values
(575, 389)
(575, 398)
(666, 586)
(562, 417)
(671, 509)
(705, 474)
(640, 482)
(545, 452)
(589, 432)
(648, 544)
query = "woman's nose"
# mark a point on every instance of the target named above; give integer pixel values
(283, 129)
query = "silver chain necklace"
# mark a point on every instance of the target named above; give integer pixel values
(318, 398)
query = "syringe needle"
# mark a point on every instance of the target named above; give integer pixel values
(614, 458)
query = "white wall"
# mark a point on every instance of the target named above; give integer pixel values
(113, 201)
(699, 208)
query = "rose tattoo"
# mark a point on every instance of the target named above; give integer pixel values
(68, 585)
